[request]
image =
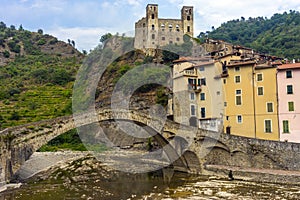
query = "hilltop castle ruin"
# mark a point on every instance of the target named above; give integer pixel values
(152, 32)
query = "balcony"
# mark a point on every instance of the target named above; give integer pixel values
(194, 87)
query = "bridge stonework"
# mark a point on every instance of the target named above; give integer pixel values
(200, 148)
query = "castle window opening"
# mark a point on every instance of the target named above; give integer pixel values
(170, 27)
(188, 29)
(163, 38)
(152, 16)
(177, 28)
(153, 36)
(170, 42)
(188, 18)
(144, 25)
(178, 39)
(153, 27)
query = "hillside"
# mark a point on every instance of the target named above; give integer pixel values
(277, 36)
(37, 72)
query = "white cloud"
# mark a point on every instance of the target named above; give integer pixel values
(85, 38)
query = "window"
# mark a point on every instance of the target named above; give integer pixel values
(286, 127)
(170, 42)
(163, 38)
(177, 39)
(177, 28)
(291, 106)
(144, 25)
(153, 36)
(237, 79)
(238, 100)
(225, 104)
(201, 69)
(218, 93)
(259, 77)
(260, 91)
(224, 81)
(202, 96)
(238, 92)
(289, 74)
(188, 18)
(202, 81)
(237, 69)
(152, 16)
(268, 126)
(239, 119)
(192, 96)
(203, 113)
(227, 118)
(270, 107)
(289, 89)
(193, 110)
(153, 27)
(188, 29)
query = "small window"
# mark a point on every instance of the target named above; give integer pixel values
(177, 39)
(239, 119)
(218, 93)
(163, 38)
(237, 79)
(193, 110)
(289, 89)
(203, 113)
(260, 91)
(188, 29)
(152, 16)
(237, 69)
(286, 127)
(177, 28)
(153, 36)
(202, 81)
(227, 118)
(170, 42)
(192, 96)
(291, 106)
(238, 92)
(268, 126)
(188, 18)
(238, 100)
(144, 25)
(225, 104)
(153, 27)
(202, 96)
(270, 107)
(259, 77)
(224, 81)
(289, 74)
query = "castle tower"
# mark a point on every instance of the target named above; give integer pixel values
(152, 25)
(187, 17)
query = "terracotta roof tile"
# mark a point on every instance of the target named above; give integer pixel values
(290, 66)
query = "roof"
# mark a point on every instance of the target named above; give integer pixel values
(186, 59)
(290, 66)
(241, 63)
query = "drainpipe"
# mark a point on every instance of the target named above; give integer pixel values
(277, 99)
(254, 103)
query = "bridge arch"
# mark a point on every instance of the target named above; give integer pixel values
(18, 143)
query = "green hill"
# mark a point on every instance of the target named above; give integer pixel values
(37, 72)
(279, 35)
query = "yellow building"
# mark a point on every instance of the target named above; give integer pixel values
(251, 100)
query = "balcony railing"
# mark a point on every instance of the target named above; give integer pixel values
(194, 87)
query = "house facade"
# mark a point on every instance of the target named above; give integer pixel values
(288, 77)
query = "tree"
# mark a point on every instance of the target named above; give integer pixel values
(2, 25)
(105, 37)
(40, 31)
(84, 52)
(73, 43)
(6, 54)
(69, 41)
(21, 28)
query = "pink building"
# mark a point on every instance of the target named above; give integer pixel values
(288, 83)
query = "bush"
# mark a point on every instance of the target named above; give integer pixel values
(42, 41)
(14, 116)
(6, 54)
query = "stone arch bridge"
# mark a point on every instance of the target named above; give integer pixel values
(199, 148)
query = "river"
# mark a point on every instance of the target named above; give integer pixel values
(87, 178)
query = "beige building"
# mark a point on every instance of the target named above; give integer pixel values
(152, 32)
(197, 93)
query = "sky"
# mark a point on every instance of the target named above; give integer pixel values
(84, 21)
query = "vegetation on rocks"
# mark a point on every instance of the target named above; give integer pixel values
(277, 36)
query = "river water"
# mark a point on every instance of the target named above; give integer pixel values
(86, 178)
